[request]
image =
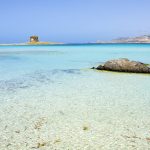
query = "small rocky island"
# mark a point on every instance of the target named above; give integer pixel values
(34, 40)
(124, 65)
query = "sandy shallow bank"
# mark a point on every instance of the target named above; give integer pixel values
(78, 112)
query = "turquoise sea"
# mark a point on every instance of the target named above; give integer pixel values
(19, 60)
(51, 99)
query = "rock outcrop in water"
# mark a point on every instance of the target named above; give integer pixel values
(124, 65)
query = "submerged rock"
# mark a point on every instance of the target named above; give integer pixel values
(124, 65)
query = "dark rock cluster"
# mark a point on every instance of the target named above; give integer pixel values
(124, 65)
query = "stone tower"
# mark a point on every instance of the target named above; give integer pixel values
(34, 39)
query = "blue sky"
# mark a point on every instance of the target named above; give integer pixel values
(73, 20)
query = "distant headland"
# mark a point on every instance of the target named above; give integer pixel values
(138, 39)
(34, 40)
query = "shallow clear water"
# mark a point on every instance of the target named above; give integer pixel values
(49, 95)
(19, 60)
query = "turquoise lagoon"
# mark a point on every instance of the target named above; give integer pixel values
(50, 99)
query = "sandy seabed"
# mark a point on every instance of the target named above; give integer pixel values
(83, 111)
